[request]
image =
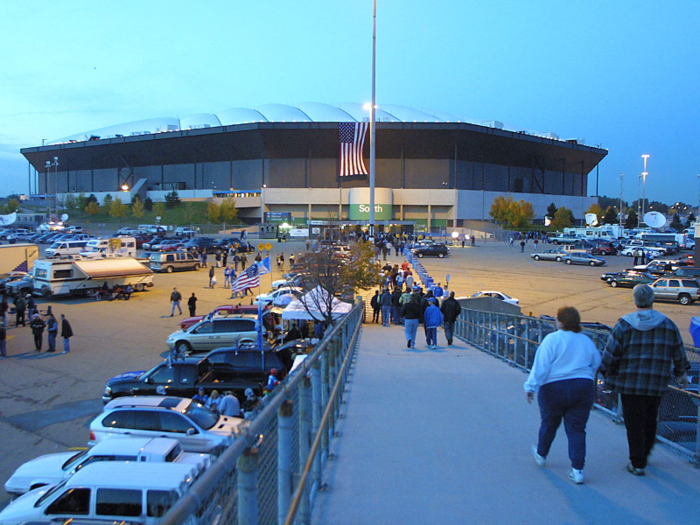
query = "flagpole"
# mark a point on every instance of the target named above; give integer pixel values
(373, 129)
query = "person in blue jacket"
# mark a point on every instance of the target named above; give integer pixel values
(432, 318)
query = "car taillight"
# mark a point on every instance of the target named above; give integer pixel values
(92, 436)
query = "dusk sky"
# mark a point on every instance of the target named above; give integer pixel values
(624, 75)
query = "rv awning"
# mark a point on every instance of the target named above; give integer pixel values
(113, 267)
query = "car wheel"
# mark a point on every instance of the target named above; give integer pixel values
(195, 267)
(441, 255)
(613, 284)
(558, 259)
(169, 269)
(592, 263)
(140, 287)
(568, 261)
(684, 299)
(420, 255)
(603, 252)
(628, 254)
(182, 347)
(536, 257)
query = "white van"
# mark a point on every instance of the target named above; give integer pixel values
(124, 246)
(62, 248)
(133, 492)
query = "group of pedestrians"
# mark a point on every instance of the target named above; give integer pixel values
(37, 324)
(642, 350)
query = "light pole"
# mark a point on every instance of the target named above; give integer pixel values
(48, 166)
(644, 181)
(622, 175)
(372, 127)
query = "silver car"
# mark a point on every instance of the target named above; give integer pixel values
(213, 333)
(556, 254)
(583, 258)
(685, 291)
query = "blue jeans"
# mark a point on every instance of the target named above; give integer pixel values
(431, 336)
(52, 341)
(3, 346)
(386, 314)
(410, 329)
(175, 304)
(66, 344)
(570, 399)
(396, 314)
(449, 327)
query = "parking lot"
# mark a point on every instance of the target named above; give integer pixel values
(49, 399)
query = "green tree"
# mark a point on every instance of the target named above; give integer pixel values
(172, 199)
(632, 220)
(691, 220)
(676, 223)
(159, 209)
(90, 199)
(213, 212)
(92, 208)
(107, 203)
(606, 202)
(595, 208)
(510, 213)
(610, 216)
(658, 206)
(137, 208)
(228, 211)
(70, 202)
(564, 218)
(551, 210)
(523, 213)
(148, 204)
(81, 202)
(12, 205)
(118, 209)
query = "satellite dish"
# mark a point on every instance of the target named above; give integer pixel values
(654, 219)
(64, 217)
(591, 219)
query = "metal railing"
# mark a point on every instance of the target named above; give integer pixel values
(273, 470)
(515, 338)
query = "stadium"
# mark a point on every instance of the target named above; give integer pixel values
(283, 162)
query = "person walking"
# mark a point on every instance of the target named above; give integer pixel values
(432, 317)
(244, 261)
(227, 277)
(212, 275)
(396, 306)
(637, 365)
(66, 334)
(376, 306)
(3, 341)
(450, 312)
(175, 298)
(563, 377)
(192, 305)
(411, 313)
(20, 309)
(52, 331)
(510, 243)
(522, 246)
(385, 302)
(37, 325)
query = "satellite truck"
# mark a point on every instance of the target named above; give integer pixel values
(657, 220)
(17, 257)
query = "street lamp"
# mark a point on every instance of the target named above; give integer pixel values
(55, 189)
(644, 181)
(372, 127)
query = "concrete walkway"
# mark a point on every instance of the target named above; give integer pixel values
(443, 437)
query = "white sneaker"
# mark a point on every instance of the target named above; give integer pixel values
(541, 460)
(576, 476)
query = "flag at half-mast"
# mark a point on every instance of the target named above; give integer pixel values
(352, 142)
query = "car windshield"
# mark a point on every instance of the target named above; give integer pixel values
(200, 415)
(67, 465)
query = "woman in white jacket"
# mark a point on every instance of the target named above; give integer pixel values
(563, 376)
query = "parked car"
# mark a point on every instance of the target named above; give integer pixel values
(583, 258)
(202, 243)
(269, 298)
(685, 291)
(10, 277)
(496, 295)
(554, 254)
(631, 278)
(601, 247)
(214, 333)
(438, 250)
(657, 267)
(686, 260)
(222, 311)
(629, 251)
(108, 492)
(687, 271)
(23, 286)
(608, 276)
(49, 469)
(195, 427)
(176, 261)
(185, 232)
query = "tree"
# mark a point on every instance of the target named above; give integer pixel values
(510, 213)
(118, 209)
(172, 199)
(90, 199)
(551, 210)
(690, 221)
(137, 208)
(92, 208)
(148, 204)
(228, 211)
(159, 208)
(610, 216)
(606, 202)
(595, 208)
(81, 202)
(107, 203)
(676, 223)
(213, 212)
(658, 206)
(70, 202)
(523, 213)
(632, 220)
(12, 205)
(564, 218)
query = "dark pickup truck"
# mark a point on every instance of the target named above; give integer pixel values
(235, 370)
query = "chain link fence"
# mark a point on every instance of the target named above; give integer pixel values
(515, 339)
(273, 470)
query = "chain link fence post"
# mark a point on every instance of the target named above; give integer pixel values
(305, 417)
(247, 466)
(285, 428)
(317, 387)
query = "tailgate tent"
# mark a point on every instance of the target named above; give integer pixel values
(308, 307)
(112, 267)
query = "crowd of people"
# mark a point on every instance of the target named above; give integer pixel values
(25, 307)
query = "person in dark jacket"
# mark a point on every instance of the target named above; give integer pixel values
(3, 341)
(192, 305)
(52, 329)
(412, 314)
(396, 306)
(385, 301)
(376, 307)
(66, 334)
(432, 318)
(37, 325)
(20, 308)
(450, 312)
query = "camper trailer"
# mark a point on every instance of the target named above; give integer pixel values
(87, 276)
(119, 246)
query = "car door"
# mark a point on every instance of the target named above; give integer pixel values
(203, 337)
(663, 290)
(174, 425)
(159, 382)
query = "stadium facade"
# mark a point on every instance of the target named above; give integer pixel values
(283, 161)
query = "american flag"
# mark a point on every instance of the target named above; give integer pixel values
(352, 141)
(250, 278)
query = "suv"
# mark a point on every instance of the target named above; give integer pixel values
(52, 468)
(439, 250)
(685, 291)
(195, 427)
(214, 333)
